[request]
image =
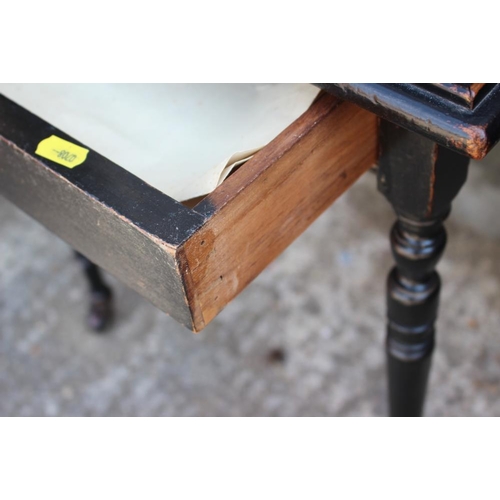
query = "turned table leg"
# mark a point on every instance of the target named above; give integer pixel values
(100, 313)
(420, 180)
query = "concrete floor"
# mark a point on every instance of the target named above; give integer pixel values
(322, 302)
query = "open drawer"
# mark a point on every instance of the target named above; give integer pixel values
(189, 262)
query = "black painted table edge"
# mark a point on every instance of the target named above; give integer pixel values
(109, 215)
(427, 110)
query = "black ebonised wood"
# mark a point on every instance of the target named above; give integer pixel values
(420, 180)
(100, 315)
(464, 117)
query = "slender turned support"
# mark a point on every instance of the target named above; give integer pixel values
(100, 313)
(420, 179)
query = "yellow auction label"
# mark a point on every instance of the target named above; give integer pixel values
(63, 152)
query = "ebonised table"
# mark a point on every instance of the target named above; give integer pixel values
(190, 260)
(427, 134)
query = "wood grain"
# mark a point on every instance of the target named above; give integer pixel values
(258, 211)
(188, 262)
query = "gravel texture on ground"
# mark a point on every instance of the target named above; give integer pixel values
(305, 338)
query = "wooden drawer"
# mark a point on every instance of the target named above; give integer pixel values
(189, 262)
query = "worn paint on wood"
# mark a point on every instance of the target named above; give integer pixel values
(461, 117)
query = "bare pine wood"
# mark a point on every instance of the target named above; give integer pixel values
(258, 211)
(188, 262)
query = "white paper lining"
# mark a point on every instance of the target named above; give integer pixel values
(183, 139)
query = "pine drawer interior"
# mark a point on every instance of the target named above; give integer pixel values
(189, 261)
